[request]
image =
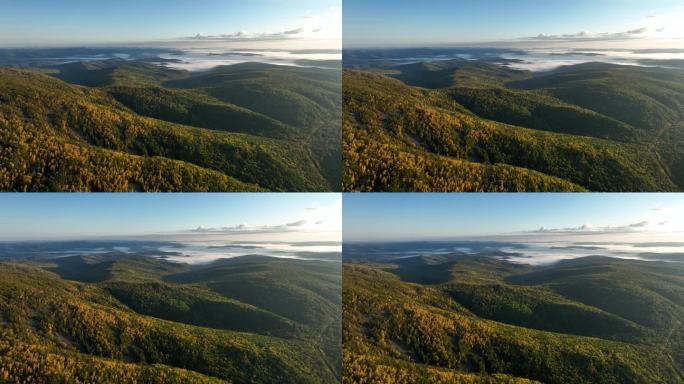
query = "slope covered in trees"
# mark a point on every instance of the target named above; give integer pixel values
(478, 319)
(127, 318)
(130, 125)
(461, 125)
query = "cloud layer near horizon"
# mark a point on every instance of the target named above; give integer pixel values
(247, 228)
(246, 36)
(653, 26)
(311, 221)
(324, 26)
(589, 229)
(590, 36)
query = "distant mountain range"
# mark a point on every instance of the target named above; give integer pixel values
(135, 125)
(479, 125)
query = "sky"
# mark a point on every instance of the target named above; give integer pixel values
(243, 216)
(258, 23)
(614, 23)
(574, 216)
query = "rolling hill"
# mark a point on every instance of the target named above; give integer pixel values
(478, 319)
(126, 318)
(122, 125)
(475, 125)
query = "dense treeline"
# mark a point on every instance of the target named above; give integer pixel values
(446, 73)
(372, 165)
(308, 99)
(671, 144)
(316, 289)
(398, 137)
(199, 307)
(487, 321)
(646, 98)
(56, 329)
(315, 92)
(192, 109)
(540, 112)
(32, 161)
(305, 292)
(248, 150)
(22, 363)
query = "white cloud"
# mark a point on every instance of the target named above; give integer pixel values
(659, 220)
(592, 36)
(296, 224)
(312, 219)
(246, 36)
(247, 228)
(326, 26)
(653, 26)
(589, 229)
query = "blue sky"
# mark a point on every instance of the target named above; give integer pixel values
(416, 23)
(78, 216)
(377, 217)
(67, 22)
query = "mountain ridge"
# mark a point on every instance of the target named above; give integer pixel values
(480, 117)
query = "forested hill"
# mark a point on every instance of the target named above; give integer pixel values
(116, 318)
(461, 125)
(120, 125)
(479, 319)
